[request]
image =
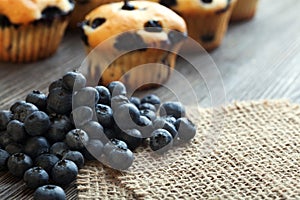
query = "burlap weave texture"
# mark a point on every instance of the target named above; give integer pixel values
(256, 156)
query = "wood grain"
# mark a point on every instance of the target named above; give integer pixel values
(259, 59)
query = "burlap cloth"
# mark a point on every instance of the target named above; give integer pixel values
(255, 156)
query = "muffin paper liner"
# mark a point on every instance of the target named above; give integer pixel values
(244, 10)
(211, 26)
(31, 42)
(148, 68)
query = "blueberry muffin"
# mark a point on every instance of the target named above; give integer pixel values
(83, 7)
(207, 20)
(244, 10)
(32, 29)
(135, 33)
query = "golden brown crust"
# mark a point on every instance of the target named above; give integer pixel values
(26, 11)
(119, 21)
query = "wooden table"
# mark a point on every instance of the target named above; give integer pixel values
(259, 59)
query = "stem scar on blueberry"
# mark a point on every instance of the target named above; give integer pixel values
(127, 6)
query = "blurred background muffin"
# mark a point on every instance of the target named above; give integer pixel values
(244, 10)
(32, 29)
(135, 31)
(207, 20)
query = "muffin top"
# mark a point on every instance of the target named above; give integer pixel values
(196, 5)
(26, 11)
(150, 23)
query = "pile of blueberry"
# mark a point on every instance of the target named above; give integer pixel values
(47, 138)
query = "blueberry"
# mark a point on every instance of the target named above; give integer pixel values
(207, 38)
(23, 110)
(93, 150)
(4, 155)
(147, 106)
(38, 99)
(206, 1)
(77, 139)
(153, 26)
(59, 149)
(82, 115)
(15, 105)
(174, 109)
(64, 172)
(76, 157)
(37, 123)
(87, 96)
(169, 119)
(18, 163)
(51, 12)
(136, 101)
(145, 126)
(127, 6)
(104, 115)
(161, 123)
(16, 130)
(161, 141)
(36, 146)
(5, 139)
(5, 22)
(46, 161)
(94, 130)
(149, 114)
(120, 158)
(168, 3)
(132, 137)
(49, 192)
(60, 126)
(117, 88)
(126, 116)
(130, 40)
(5, 118)
(110, 133)
(73, 81)
(186, 129)
(36, 177)
(97, 22)
(13, 148)
(118, 100)
(56, 84)
(50, 111)
(60, 101)
(152, 99)
(104, 95)
(113, 144)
